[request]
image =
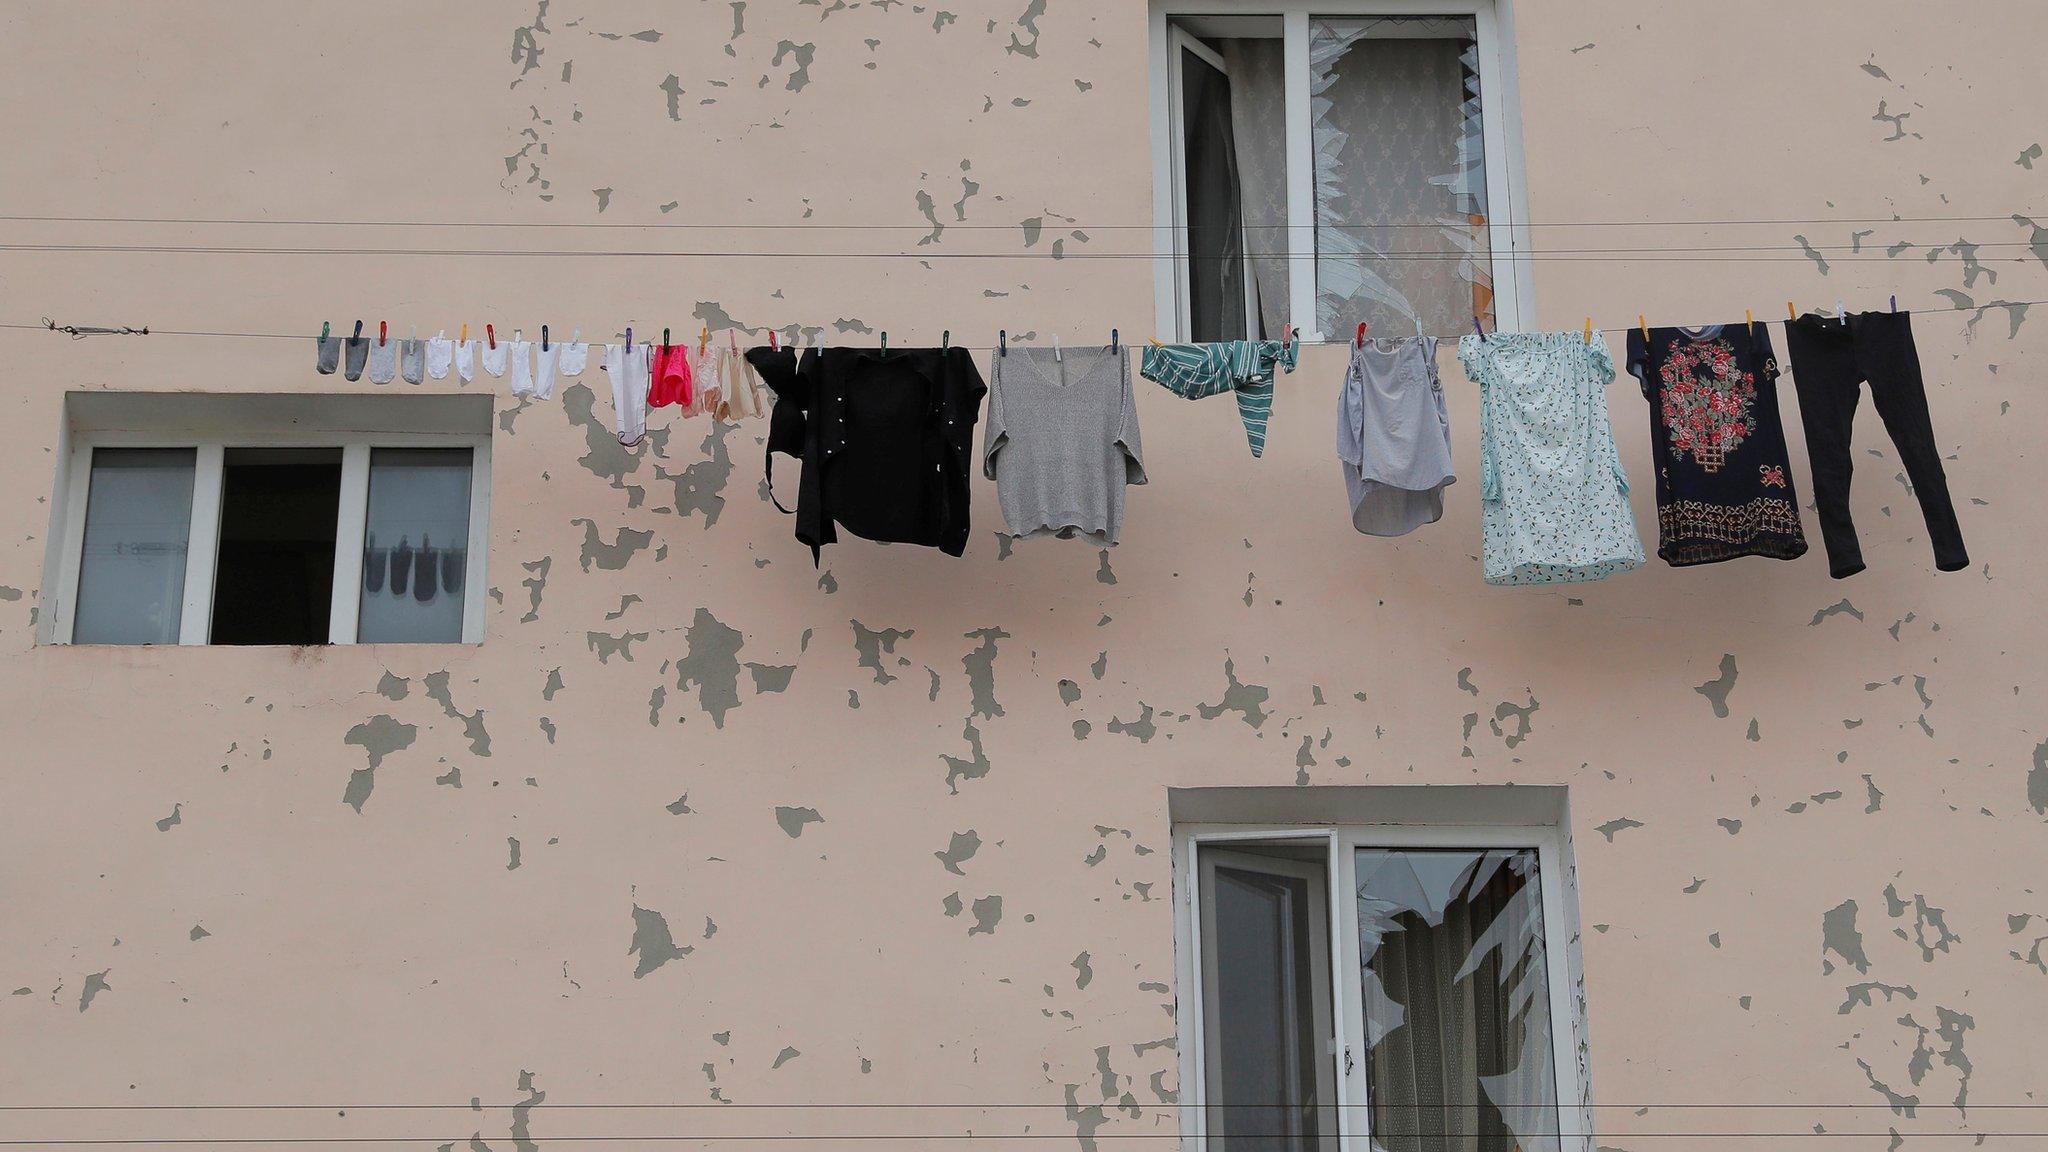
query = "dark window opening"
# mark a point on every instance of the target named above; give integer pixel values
(274, 579)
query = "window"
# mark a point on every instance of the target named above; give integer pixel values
(1322, 165)
(207, 519)
(1398, 987)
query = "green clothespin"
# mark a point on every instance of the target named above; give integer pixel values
(946, 341)
(324, 329)
(885, 343)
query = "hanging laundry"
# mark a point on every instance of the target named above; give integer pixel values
(383, 361)
(355, 354)
(1247, 367)
(787, 418)
(546, 359)
(1062, 441)
(519, 357)
(1394, 436)
(496, 356)
(671, 377)
(1724, 482)
(628, 369)
(574, 355)
(1831, 359)
(1553, 497)
(465, 361)
(707, 389)
(885, 438)
(412, 360)
(440, 354)
(327, 354)
(729, 387)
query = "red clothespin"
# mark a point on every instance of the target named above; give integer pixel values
(381, 341)
(774, 344)
(1361, 333)
(491, 334)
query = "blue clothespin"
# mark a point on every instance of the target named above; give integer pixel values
(359, 331)
(543, 337)
(629, 340)
(1112, 341)
(1477, 328)
(1003, 342)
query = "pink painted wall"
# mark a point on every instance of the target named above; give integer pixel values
(1882, 757)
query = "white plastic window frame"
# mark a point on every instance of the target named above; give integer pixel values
(203, 537)
(1558, 894)
(1499, 90)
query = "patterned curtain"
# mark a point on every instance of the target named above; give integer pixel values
(1258, 113)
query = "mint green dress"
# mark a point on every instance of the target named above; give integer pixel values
(1553, 498)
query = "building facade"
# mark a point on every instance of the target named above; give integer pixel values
(632, 828)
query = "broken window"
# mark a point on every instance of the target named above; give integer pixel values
(1442, 1035)
(1381, 214)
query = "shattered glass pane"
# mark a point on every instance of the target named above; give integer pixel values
(1457, 1001)
(1400, 174)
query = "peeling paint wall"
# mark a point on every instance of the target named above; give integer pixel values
(700, 823)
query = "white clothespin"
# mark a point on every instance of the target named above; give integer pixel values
(1841, 312)
(1418, 326)
(1056, 350)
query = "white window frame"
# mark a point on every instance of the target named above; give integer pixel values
(1556, 885)
(1514, 301)
(203, 537)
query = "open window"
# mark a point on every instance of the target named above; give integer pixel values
(1382, 987)
(1330, 164)
(263, 519)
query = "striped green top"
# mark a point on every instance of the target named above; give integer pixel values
(1246, 367)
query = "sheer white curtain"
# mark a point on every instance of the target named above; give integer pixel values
(1258, 115)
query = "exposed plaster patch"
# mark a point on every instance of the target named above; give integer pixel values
(607, 646)
(1084, 974)
(1029, 22)
(393, 688)
(173, 820)
(1618, 824)
(535, 584)
(988, 912)
(436, 684)
(1716, 690)
(801, 54)
(1839, 608)
(378, 737)
(974, 768)
(614, 556)
(1521, 713)
(1103, 575)
(784, 1057)
(959, 850)
(981, 671)
(512, 848)
(771, 677)
(870, 645)
(1247, 700)
(700, 488)
(1142, 729)
(792, 820)
(1838, 934)
(652, 942)
(1859, 995)
(712, 663)
(95, 983)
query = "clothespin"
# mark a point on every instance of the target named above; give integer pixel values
(774, 345)
(412, 331)
(1156, 343)
(1751, 318)
(703, 338)
(1003, 342)
(491, 335)
(1841, 312)
(1589, 329)
(1895, 303)
(518, 336)
(1361, 334)
(700, 346)
(1791, 313)
(1287, 337)
(382, 334)
(946, 341)
(1475, 327)
(1055, 348)
(359, 331)
(465, 333)
(1643, 324)
(1112, 341)
(732, 339)
(629, 339)
(324, 328)
(543, 337)
(885, 342)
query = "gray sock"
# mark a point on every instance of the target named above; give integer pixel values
(383, 361)
(356, 353)
(329, 355)
(412, 360)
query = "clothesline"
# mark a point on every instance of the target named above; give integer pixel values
(1019, 341)
(963, 226)
(1794, 254)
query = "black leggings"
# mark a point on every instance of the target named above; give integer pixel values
(1830, 361)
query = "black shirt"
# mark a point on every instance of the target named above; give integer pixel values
(885, 438)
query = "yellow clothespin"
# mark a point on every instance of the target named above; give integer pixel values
(1156, 343)
(1791, 313)
(465, 334)
(1643, 324)
(703, 339)
(1751, 317)
(1589, 329)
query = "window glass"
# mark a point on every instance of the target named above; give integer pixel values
(1400, 174)
(415, 546)
(273, 579)
(131, 573)
(1456, 1000)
